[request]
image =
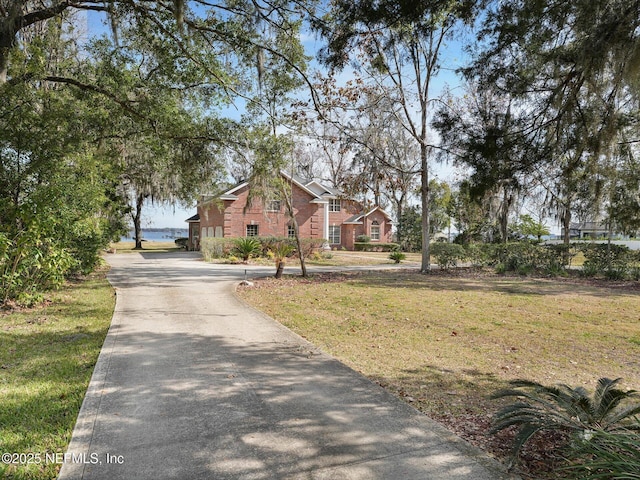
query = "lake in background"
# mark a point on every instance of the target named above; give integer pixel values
(158, 234)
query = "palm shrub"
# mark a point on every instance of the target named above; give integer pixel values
(397, 256)
(247, 247)
(563, 408)
(605, 455)
(281, 250)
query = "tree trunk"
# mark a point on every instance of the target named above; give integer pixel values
(566, 225)
(279, 268)
(137, 221)
(294, 224)
(424, 192)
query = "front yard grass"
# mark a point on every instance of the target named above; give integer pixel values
(338, 258)
(446, 342)
(47, 357)
(156, 247)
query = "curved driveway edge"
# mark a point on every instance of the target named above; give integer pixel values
(192, 383)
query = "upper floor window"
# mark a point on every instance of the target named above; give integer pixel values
(291, 231)
(334, 205)
(273, 205)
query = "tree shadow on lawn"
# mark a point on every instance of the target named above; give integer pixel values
(443, 390)
(468, 281)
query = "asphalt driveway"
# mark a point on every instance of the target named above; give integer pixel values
(193, 384)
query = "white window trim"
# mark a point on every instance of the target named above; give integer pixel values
(271, 205)
(333, 228)
(375, 238)
(335, 205)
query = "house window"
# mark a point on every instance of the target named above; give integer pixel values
(375, 231)
(291, 231)
(334, 234)
(273, 206)
(334, 205)
(252, 230)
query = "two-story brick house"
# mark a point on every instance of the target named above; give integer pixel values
(321, 213)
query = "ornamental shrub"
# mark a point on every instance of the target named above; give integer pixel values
(247, 247)
(375, 247)
(612, 261)
(447, 255)
(528, 257)
(480, 254)
(397, 256)
(214, 248)
(30, 263)
(538, 408)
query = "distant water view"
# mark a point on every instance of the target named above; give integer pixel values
(158, 234)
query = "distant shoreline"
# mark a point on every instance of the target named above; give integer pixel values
(158, 234)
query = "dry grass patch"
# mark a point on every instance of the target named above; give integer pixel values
(446, 342)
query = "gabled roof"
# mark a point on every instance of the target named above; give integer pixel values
(319, 192)
(304, 185)
(323, 190)
(359, 218)
(195, 218)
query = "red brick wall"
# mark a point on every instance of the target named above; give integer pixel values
(383, 222)
(234, 217)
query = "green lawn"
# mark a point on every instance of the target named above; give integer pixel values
(47, 355)
(445, 342)
(128, 247)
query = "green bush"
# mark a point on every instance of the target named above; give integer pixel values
(363, 239)
(214, 248)
(563, 408)
(247, 247)
(86, 241)
(268, 244)
(182, 242)
(527, 257)
(375, 247)
(600, 454)
(612, 261)
(31, 263)
(397, 256)
(447, 255)
(480, 254)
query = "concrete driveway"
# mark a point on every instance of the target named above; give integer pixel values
(193, 384)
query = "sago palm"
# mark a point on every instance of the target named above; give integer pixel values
(246, 248)
(561, 407)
